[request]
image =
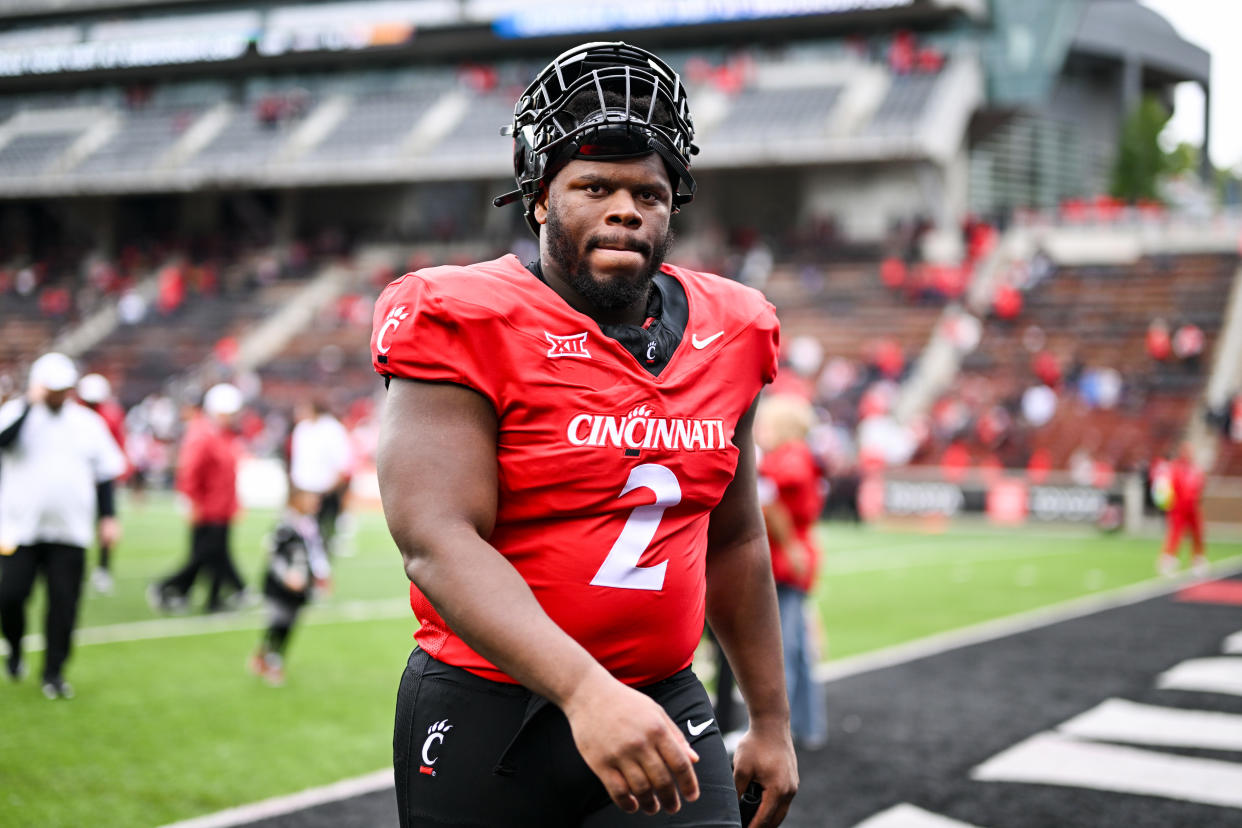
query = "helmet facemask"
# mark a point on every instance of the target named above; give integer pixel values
(600, 102)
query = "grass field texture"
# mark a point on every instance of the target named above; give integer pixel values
(168, 724)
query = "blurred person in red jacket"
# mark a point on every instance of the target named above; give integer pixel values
(95, 392)
(207, 476)
(792, 495)
(1185, 485)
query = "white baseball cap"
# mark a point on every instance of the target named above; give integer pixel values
(94, 388)
(222, 399)
(54, 371)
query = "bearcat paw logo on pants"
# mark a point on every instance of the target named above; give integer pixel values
(435, 736)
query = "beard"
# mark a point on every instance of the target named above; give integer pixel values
(606, 294)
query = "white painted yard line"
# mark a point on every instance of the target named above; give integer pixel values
(1011, 625)
(1209, 675)
(281, 805)
(209, 624)
(1053, 759)
(1118, 720)
(1233, 644)
(906, 815)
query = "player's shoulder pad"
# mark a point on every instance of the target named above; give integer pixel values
(448, 324)
(728, 300)
(470, 292)
(743, 312)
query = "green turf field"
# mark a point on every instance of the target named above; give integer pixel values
(168, 724)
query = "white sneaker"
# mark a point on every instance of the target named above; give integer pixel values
(1201, 567)
(101, 580)
(1167, 566)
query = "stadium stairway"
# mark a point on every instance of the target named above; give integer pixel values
(297, 324)
(96, 327)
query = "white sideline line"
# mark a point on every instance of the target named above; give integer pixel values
(1118, 720)
(1011, 625)
(1209, 675)
(1233, 644)
(1053, 759)
(281, 805)
(208, 624)
(906, 815)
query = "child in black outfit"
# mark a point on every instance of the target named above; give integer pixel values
(296, 566)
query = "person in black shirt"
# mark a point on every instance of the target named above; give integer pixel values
(296, 566)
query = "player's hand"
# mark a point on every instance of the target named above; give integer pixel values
(323, 586)
(109, 530)
(766, 755)
(631, 744)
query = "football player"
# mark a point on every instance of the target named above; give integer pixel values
(566, 465)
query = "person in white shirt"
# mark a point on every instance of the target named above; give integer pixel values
(319, 463)
(57, 464)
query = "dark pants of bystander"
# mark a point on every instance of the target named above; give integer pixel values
(62, 567)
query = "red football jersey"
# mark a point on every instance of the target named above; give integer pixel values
(607, 474)
(793, 472)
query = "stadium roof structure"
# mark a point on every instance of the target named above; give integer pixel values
(1128, 30)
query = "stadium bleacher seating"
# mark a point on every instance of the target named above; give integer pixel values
(1097, 318)
(756, 114)
(903, 105)
(379, 119)
(30, 153)
(143, 136)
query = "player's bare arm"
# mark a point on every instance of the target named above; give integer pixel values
(437, 475)
(742, 610)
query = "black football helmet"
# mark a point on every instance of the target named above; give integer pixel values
(603, 102)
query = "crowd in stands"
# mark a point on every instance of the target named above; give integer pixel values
(1027, 397)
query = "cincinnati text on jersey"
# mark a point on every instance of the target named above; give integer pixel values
(640, 430)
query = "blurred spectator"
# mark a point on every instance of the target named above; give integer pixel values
(58, 466)
(171, 289)
(791, 493)
(297, 566)
(887, 358)
(1188, 344)
(1100, 387)
(1047, 369)
(955, 462)
(1007, 302)
(1039, 404)
(320, 462)
(1235, 419)
(1039, 465)
(95, 392)
(1185, 481)
(207, 476)
(1159, 344)
(806, 354)
(131, 308)
(893, 273)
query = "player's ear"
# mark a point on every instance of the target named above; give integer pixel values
(541, 206)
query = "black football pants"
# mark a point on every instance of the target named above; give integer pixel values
(209, 549)
(474, 753)
(62, 567)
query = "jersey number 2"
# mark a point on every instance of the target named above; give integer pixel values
(620, 569)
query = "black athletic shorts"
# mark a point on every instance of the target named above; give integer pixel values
(472, 752)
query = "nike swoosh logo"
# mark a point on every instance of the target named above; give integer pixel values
(703, 343)
(696, 729)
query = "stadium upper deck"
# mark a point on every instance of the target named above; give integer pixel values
(877, 100)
